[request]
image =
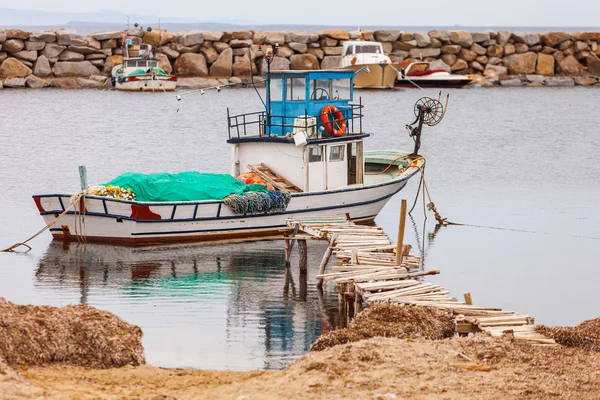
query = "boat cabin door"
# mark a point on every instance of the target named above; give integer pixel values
(334, 166)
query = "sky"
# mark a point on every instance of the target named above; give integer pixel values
(548, 13)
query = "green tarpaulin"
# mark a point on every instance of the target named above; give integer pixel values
(183, 186)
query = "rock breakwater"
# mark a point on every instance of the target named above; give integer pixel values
(68, 60)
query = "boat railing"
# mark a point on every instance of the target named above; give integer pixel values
(261, 124)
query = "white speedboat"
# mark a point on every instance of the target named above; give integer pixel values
(421, 74)
(140, 71)
(308, 143)
(374, 68)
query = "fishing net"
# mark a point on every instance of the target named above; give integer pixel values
(258, 202)
(183, 186)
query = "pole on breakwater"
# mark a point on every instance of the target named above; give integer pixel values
(401, 226)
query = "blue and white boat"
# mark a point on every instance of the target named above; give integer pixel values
(308, 141)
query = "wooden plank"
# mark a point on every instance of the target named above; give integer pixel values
(269, 176)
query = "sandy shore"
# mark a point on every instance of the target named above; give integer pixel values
(378, 368)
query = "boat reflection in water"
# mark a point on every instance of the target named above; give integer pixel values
(232, 306)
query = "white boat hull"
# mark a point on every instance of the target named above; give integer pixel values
(147, 85)
(132, 223)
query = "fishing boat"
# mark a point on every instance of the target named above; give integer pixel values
(421, 74)
(374, 69)
(140, 71)
(307, 144)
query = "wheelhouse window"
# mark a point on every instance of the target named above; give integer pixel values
(275, 89)
(341, 89)
(336, 153)
(368, 48)
(320, 89)
(296, 89)
(349, 50)
(315, 154)
(132, 63)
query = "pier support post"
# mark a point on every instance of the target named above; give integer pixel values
(401, 225)
(303, 256)
(325, 260)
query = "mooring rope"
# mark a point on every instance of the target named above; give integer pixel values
(73, 202)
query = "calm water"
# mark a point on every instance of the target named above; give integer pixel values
(524, 159)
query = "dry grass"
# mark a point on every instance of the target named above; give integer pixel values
(391, 320)
(78, 335)
(585, 335)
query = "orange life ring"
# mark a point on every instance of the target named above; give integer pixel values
(339, 121)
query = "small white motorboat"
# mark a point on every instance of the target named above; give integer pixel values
(306, 144)
(374, 69)
(140, 71)
(421, 74)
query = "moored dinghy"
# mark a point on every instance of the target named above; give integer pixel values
(306, 149)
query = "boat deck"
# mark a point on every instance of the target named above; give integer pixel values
(368, 274)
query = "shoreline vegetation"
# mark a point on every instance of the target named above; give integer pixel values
(64, 59)
(388, 352)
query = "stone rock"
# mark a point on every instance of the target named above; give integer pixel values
(41, 67)
(2, 36)
(495, 51)
(111, 62)
(495, 61)
(107, 35)
(536, 49)
(190, 64)
(535, 78)
(28, 55)
(553, 39)
(16, 34)
(503, 37)
(595, 36)
(478, 49)
(530, 39)
(424, 53)
(580, 46)
(439, 64)
(450, 49)
(220, 46)
(387, 35)
(74, 68)
(423, 40)
(242, 66)
(565, 45)
(435, 43)
(337, 34)
(278, 64)
(593, 64)
(406, 36)
(491, 74)
(480, 37)
(481, 81)
(462, 38)
(298, 47)
(94, 57)
(3, 56)
(441, 35)
(191, 38)
(316, 52)
(545, 65)
(68, 55)
(85, 50)
(330, 62)
(169, 52)
(185, 49)
(300, 37)
(15, 83)
(34, 46)
(63, 38)
(570, 66)
(285, 51)
(404, 46)
(449, 59)
(459, 65)
(1, 85)
(362, 35)
(399, 56)
(157, 37)
(13, 68)
(34, 82)
(509, 49)
(558, 56)
(490, 42)
(212, 36)
(582, 55)
(46, 37)
(467, 54)
(223, 66)
(241, 52)
(560, 81)
(327, 42)
(98, 63)
(476, 66)
(498, 68)
(164, 63)
(304, 62)
(210, 54)
(569, 52)
(549, 50)
(13, 45)
(514, 82)
(266, 37)
(52, 50)
(239, 43)
(332, 51)
(86, 83)
(241, 35)
(587, 81)
(482, 59)
(521, 48)
(521, 63)
(27, 63)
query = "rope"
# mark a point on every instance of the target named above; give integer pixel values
(24, 243)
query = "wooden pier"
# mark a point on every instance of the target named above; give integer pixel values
(370, 271)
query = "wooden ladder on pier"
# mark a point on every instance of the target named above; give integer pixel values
(274, 178)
